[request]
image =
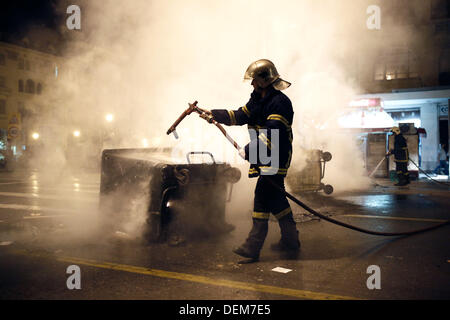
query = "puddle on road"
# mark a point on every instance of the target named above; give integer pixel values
(371, 201)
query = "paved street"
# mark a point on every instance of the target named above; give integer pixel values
(47, 225)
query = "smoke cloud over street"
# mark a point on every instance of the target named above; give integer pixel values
(142, 62)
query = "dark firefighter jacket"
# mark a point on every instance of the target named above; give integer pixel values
(274, 111)
(400, 149)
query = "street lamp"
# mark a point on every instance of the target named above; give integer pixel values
(35, 135)
(76, 133)
(109, 117)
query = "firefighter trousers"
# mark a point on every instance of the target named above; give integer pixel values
(402, 172)
(270, 200)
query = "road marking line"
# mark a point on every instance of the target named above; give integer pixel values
(392, 218)
(44, 196)
(72, 189)
(3, 183)
(12, 221)
(44, 217)
(302, 294)
(33, 208)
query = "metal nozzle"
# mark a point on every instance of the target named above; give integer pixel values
(175, 134)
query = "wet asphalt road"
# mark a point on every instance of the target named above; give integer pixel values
(47, 225)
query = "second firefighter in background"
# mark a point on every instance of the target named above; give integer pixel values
(268, 115)
(401, 157)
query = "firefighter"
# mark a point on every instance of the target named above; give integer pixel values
(401, 157)
(267, 114)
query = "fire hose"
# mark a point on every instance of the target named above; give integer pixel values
(193, 108)
(438, 182)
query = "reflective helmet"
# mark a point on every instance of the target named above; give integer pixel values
(395, 130)
(263, 71)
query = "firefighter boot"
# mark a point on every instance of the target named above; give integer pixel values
(255, 240)
(407, 179)
(401, 181)
(289, 236)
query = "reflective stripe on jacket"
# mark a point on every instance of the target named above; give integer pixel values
(262, 115)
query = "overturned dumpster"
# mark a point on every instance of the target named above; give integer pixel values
(166, 197)
(309, 178)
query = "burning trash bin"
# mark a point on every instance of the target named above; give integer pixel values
(310, 177)
(173, 199)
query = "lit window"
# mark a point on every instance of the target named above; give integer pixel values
(397, 64)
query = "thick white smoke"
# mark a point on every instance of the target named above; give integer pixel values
(143, 61)
(146, 60)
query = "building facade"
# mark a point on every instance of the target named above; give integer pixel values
(26, 109)
(406, 63)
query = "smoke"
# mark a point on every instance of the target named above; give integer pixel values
(146, 61)
(143, 61)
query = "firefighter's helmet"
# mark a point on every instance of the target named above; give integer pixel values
(395, 130)
(263, 71)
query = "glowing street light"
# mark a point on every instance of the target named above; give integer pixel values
(35, 135)
(76, 133)
(109, 117)
(145, 143)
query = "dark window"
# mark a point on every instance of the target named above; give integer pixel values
(444, 60)
(21, 64)
(12, 55)
(2, 82)
(22, 109)
(39, 88)
(2, 106)
(444, 67)
(27, 65)
(20, 85)
(440, 9)
(29, 88)
(2, 59)
(442, 27)
(20, 106)
(380, 71)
